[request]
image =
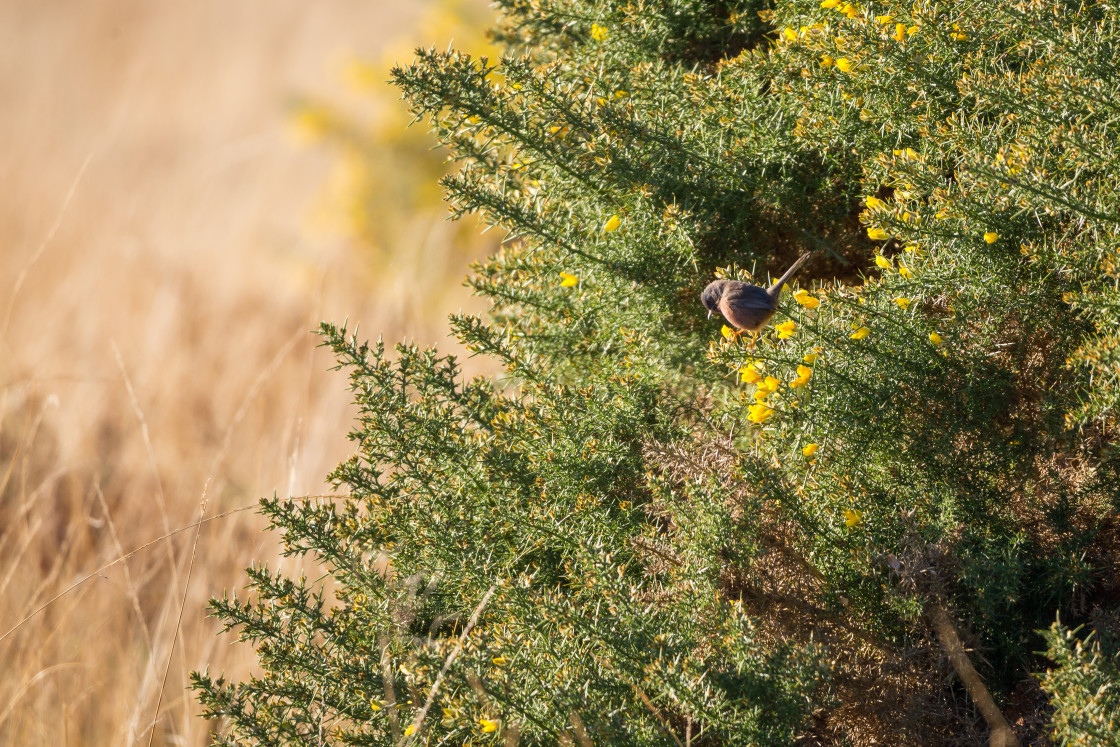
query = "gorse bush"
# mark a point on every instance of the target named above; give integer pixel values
(654, 532)
(1084, 689)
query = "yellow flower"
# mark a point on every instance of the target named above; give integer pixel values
(802, 297)
(786, 329)
(804, 373)
(882, 20)
(883, 262)
(878, 234)
(409, 730)
(759, 413)
(810, 449)
(500, 661)
(488, 725)
(727, 332)
(872, 202)
(991, 237)
(770, 384)
(830, 3)
(810, 358)
(844, 64)
(612, 224)
(935, 338)
(904, 271)
(789, 34)
(598, 33)
(567, 280)
(749, 374)
(860, 333)
(374, 705)
(903, 303)
(912, 30)
(958, 36)
(826, 61)
(852, 517)
(900, 32)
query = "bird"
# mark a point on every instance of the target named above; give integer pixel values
(745, 306)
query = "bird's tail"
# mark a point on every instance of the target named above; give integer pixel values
(777, 286)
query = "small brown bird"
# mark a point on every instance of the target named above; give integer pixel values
(747, 307)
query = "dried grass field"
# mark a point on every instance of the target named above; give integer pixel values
(160, 275)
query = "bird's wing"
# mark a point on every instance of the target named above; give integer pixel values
(747, 296)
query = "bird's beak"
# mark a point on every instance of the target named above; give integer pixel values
(709, 314)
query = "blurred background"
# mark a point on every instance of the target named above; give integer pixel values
(189, 188)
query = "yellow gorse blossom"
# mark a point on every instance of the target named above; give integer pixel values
(903, 303)
(612, 224)
(852, 517)
(759, 413)
(500, 661)
(598, 33)
(789, 34)
(804, 373)
(488, 725)
(904, 271)
(748, 374)
(882, 262)
(769, 384)
(878, 234)
(409, 730)
(860, 333)
(872, 202)
(830, 3)
(882, 20)
(802, 297)
(567, 280)
(844, 64)
(786, 329)
(936, 339)
(810, 358)
(991, 237)
(826, 61)
(727, 332)
(900, 32)
(810, 449)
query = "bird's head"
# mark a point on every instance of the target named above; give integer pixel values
(711, 295)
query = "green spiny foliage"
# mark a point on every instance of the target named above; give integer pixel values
(663, 534)
(1084, 687)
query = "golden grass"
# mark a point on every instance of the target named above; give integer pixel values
(157, 292)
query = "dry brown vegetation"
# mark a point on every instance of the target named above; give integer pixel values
(158, 285)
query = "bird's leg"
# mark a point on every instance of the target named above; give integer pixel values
(754, 339)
